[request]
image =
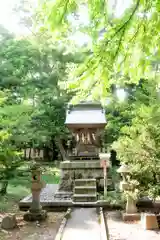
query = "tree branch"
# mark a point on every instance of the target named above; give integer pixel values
(132, 41)
(124, 25)
(64, 11)
(119, 44)
(123, 29)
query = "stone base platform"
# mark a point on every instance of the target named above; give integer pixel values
(63, 205)
(39, 216)
(47, 200)
(131, 217)
(72, 170)
(50, 203)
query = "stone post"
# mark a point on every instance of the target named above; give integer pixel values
(104, 160)
(35, 212)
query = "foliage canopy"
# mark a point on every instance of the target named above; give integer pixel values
(122, 47)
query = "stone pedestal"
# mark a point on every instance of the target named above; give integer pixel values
(131, 217)
(35, 212)
(71, 170)
(131, 211)
(131, 208)
(35, 216)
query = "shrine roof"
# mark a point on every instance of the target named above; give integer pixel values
(86, 113)
(86, 104)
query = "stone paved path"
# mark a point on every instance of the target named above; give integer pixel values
(83, 225)
(118, 230)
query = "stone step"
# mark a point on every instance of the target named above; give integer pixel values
(84, 158)
(85, 190)
(63, 195)
(85, 197)
(85, 182)
(84, 204)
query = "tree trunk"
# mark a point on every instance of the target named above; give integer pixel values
(46, 155)
(25, 155)
(61, 148)
(29, 157)
(3, 190)
(54, 150)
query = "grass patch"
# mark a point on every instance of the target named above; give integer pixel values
(50, 179)
(114, 198)
(19, 187)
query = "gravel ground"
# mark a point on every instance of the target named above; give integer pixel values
(119, 230)
(47, 194)
(34, 230)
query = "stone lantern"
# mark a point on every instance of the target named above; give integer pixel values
(128, 187)
(125, 173)
(35, 212)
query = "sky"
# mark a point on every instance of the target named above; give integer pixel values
(118, 9)
(10, 20)
(7, 18)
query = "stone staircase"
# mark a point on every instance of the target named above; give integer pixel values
(85, 190)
